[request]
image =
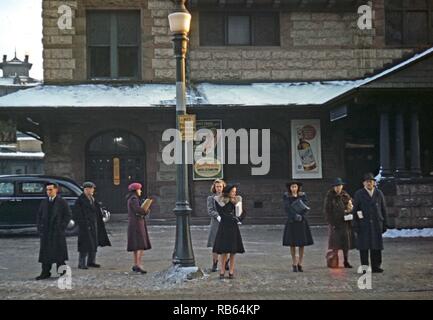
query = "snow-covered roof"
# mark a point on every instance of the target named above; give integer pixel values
(24, 81)
(261, 94)
(157, 95)
(26, 155)
(148, 95)
(90, 95)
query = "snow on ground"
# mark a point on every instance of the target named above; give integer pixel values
(408, 233)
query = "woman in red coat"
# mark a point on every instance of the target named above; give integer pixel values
(138, 237)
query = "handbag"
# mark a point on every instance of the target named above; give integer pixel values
(300, 207)
(332, 259)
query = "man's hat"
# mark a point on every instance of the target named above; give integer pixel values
(89, 184)
(338, 182)
(368, 176)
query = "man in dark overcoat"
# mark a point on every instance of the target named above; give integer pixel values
(92, 232)
(370, 221)
(53, 218)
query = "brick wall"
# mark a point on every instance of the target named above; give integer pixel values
(314, 46)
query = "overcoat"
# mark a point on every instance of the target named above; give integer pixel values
(92, 232)
(138, 237)
(369, 229)
(52, 221)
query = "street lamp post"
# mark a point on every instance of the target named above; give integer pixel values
(183, 254)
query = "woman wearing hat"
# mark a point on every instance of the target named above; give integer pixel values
(228, 239)
(217, 189)
(338, 207)
(297, 232)
(138, 238)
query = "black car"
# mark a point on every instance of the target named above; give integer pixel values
(21, 195)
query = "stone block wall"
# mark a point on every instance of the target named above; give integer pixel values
(314, 46)
(410, 203)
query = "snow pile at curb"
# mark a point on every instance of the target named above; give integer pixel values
(177, 274)
(408, 233)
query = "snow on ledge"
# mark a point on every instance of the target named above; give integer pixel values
(408, 233)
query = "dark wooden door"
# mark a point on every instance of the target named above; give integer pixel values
(358, 162)
(115, 160)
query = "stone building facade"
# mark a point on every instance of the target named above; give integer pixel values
(313, 42)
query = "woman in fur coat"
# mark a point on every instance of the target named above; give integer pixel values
(338, 207)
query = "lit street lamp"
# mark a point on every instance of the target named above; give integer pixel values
(183, 254)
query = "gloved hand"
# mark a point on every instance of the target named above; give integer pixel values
(298, 218)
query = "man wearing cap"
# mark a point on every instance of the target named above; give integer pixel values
(370, 221)
(92, 233)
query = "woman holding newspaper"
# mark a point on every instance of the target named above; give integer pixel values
(228, 239)
(297, 232)
(138, 238)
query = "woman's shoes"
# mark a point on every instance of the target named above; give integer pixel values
(214, 266)
(138, 270)
(300, 268)
(221, 276)
(231, 275)
(347, 264)
(295, 268)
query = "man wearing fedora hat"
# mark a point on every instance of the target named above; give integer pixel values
(92, 233)
(370, 221)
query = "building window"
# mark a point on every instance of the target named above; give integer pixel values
(239, 29)
(409, 23)
(113, 39)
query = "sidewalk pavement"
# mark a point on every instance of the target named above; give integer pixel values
(263, 272)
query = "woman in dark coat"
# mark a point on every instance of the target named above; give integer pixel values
(297, 232)
(228, 239)
(92, 233)
(138, 238)
(338, 207)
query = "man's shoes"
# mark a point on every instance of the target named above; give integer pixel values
(377, 270)
(214, 266)
(295, 268)
(43, 276)
(347, 265)
(82, 267)
(93, 265)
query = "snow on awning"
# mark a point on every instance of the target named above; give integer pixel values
(148, 95)
(262, 94)
(91, 95)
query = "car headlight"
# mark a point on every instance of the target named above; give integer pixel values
(71, 224)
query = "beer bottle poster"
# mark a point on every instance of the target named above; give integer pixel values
(306, 149)
(208, 163)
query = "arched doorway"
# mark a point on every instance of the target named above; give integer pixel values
(113, 160)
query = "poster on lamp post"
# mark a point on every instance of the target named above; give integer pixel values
(306, 149)
(208, 164)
